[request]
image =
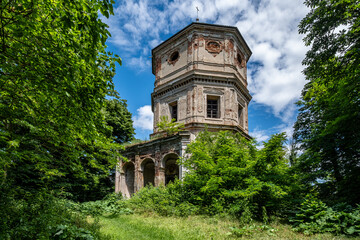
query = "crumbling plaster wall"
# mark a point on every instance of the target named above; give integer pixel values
(192, 100)
(155, 151)
(206, 52)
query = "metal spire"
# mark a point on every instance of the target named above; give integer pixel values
(197, 14)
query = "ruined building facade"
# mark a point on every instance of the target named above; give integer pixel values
(201, 81)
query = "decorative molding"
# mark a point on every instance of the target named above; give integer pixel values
(216, 91)
(214, 47)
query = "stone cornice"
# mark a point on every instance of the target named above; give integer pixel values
(193, 63)
(155, 142)
(218, 127)
(203, 79)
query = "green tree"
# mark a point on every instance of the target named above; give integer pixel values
(327, 127)
(99, 182)
(55, 74)
(228, 172)
(119, 119)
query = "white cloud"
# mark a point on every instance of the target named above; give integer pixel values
(140, 63)
(144, 118)
(259, 135)
(271, 31)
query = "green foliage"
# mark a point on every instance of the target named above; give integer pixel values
(99, 182)
(42, 216)
(112, 204)
(165, 201)
(119, 118)
(55, 75)
(228, 173)
(170, 127)
(72, 232)
(315, 217)
(327, 127)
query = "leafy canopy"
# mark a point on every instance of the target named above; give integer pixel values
(55, 74)
(119, 119)
(327, 127)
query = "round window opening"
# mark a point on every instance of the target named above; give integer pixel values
(174, 56)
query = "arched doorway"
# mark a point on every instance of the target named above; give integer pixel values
(171, 167)
(129, 173)
(148, 168)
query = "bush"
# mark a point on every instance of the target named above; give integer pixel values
(165, 201)
(112, 204)
(315, 217)
(41, 216)
(228, 173)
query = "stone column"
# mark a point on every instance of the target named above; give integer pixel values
(123, 188)
(159, 176)
(137, 182)
(159, 168)
(117, 177)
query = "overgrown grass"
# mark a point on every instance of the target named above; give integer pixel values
(151, 226)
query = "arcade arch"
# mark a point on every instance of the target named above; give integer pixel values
(171, 167)
(148, 170)
(129, 175)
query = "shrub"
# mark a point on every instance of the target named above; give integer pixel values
(315, 217)
(165, 201)
(41, 216)
(112, 204)
(228, 173)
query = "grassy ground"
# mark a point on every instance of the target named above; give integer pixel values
(146, 227)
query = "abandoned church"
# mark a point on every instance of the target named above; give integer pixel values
(200, 81)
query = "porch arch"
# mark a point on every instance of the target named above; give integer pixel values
(129, 179)
(148, 170)
(171, 167)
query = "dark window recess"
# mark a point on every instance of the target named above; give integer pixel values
(174, 112)
(239, 59)
(213, 108)
(240, 116)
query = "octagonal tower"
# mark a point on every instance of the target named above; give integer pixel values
(201, 79)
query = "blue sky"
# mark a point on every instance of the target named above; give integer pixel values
(269, 28)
